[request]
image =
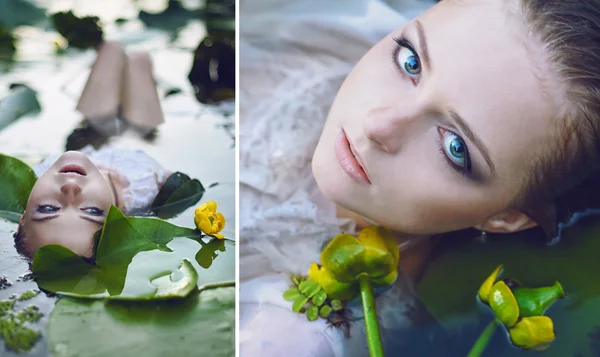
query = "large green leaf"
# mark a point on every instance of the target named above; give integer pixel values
(201, 325)
(450, 283)
(178, 193)
(113, 275)
(21, 101)
(16, 181)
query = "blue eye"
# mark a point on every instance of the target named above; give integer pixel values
(456, 150)
(94, 211)
(409, 61)
(46, 209)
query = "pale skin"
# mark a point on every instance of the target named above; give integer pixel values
(68, 204)
(438, 125)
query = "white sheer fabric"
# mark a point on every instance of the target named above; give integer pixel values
(294, 55)
(138, 176)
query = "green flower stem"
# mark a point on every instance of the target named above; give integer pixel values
(370, 311)
(483, 339)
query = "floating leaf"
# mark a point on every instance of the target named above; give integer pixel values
(312, 313)
(84, 32)
(291, 294)
(16, 181)
(325, 311)
(21, 101)
(59, 270)
(337, 305)
(309, 288)
(177, 194)
(299, 303)
(319, 298)
(203, 321)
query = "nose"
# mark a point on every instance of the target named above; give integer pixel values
(70, 189)
(388, 126)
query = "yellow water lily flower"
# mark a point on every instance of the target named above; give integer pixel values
(208, 220)
(374, 253)
(486, 287)
(533, 332)
(504, 304)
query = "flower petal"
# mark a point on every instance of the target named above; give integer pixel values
(504, 304)
(210, 206)
(203, 222)
(532, 332)
(486, 287)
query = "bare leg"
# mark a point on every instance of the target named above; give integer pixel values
(140, 105)
(102, 93)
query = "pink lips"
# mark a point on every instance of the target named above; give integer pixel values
(75, 169)
(349, 161)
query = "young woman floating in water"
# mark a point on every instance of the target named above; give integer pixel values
(74, 191)
(476, 113)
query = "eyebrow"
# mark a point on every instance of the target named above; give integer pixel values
(423, 44)
(55, 215)
(464, 127)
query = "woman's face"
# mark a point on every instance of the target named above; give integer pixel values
(67, 205)
(438, 126)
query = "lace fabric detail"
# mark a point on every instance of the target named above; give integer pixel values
(294, 58)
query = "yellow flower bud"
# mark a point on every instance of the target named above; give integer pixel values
(533, 332)
(208, 220)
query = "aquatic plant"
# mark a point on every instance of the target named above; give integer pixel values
(13, 328)
(352, 266)
(208, 220)
(84, 32)
(521, 310)
(310, 298)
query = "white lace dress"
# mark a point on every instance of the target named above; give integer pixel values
(293, 58)
(137, 177)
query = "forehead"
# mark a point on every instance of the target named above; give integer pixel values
(493, 74)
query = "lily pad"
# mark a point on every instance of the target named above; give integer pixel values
(61, 271)
(20, 12)
(202, 324)
(21, 101)
(84, 32)
(460, 265)
(16, 181)
(178, 193)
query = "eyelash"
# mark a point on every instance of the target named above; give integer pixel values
(465, 171)
(403, 43)
(42, 209)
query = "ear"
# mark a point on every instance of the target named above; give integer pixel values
(508, 222)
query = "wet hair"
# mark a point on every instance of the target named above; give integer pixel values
(20, 243)
(569, 33)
